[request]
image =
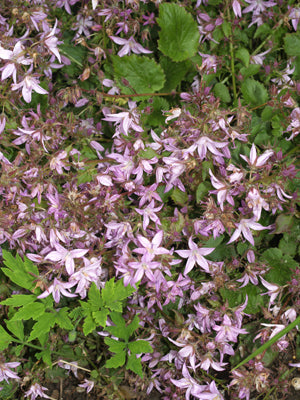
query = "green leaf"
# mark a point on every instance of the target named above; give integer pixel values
(34, 311)
(226, 28)
(133, 326)
(114, 345)
(143, 74)
(62, 319)
(135, 365)
(108, 292)
(174, 72)
(140, 346)
(5, 339)
(156, 118)
(221, 91)
(148, 153)
(262, 31)
(292, 44)
(250, 71)
(179, 35)
(89, 325)
(116, 360)
(18, 300)
(46, 356)
(94, 297)
(16, 327)
(100, 317)
(179, 197)
(268, 113)
(288, 245)
(284, 223)
(17, 270)
(243, 55)
(281, 264)
(42, 326)
(254, 92)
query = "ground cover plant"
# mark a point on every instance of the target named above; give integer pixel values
(149, 221)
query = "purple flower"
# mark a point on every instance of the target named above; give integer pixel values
(294, 15)
(151, 248)
(57, 288)
(144, 267)
(244, 227)
(227, 331)
(187, 382)
(16, 56)
(6, 373)
(149, 213)
(36, 390)
(66, 256)
(204, 143)
(237, 8)
(256, 203)
(223, 192)
(51, 42)
(88, 385)
(258, 6)
(274, 290)
(28, 84)
(129, 45)
(257, 161)
(195, 255)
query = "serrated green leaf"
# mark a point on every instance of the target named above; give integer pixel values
(133, 326)
(30, 267)
(94, 297)
(34, 311)
(243, 55)
(18, 300)
(5, 339)
(62, 319)
(42, 326)
(134, 364)
(140, 346)
(17, 270)
(100, 316)
(221, 91)
(116, 360)
(114, 345)
(292, 44)
(143, 74)
(16, 327)
(254, 92)
(179, 197)
(179, 35)
(89, 325)
(108, 292)
(46, 356)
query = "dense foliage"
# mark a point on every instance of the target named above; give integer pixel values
(149, 222)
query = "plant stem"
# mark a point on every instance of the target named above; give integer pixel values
(232, 56)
